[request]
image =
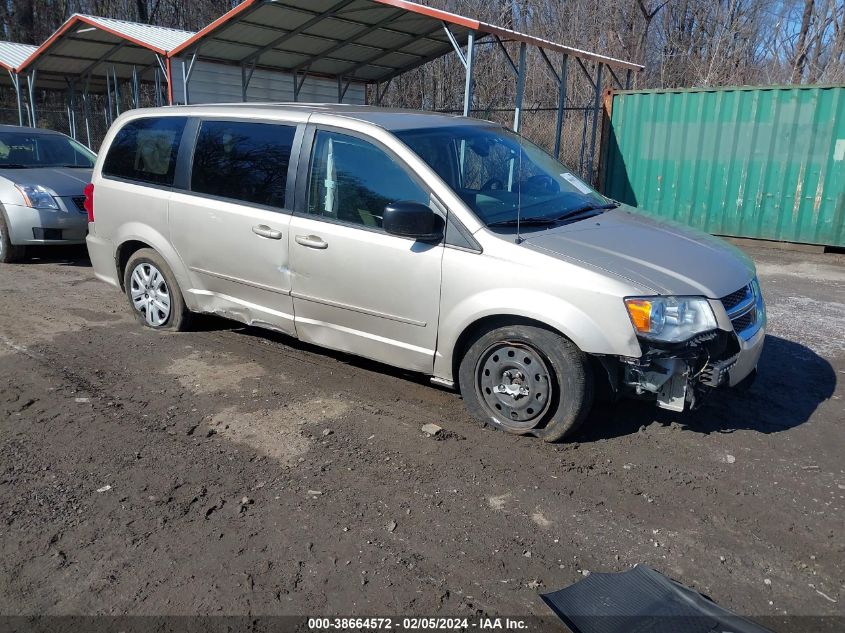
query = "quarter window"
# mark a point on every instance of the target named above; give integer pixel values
(145, 150)
(353, 180)
(244, 161)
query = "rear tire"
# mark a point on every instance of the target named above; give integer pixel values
(152, 291)
(527, 380)
(9, 253)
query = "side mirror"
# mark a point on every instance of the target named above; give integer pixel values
(414, 220)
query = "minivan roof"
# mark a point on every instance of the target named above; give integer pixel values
(392, 119)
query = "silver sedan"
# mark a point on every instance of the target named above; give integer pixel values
(43, 175)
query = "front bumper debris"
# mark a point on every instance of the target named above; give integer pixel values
(679, 375)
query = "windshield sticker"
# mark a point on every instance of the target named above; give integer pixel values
(580, 186)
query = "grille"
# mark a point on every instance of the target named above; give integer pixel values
(735, 298)
(745, 321)
(79, 201)
(741, 308)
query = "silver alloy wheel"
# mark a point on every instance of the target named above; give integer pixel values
(514, 382)
(2, 243)
(150, 294)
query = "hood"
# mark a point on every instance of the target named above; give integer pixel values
(65, 181)
(664, 256)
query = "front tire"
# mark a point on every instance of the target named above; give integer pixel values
(154, 295)
(527, 380)
(9, 253)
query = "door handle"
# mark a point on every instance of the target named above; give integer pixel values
(311, 241)
(265, 231)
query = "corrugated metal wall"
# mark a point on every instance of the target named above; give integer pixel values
(221, 83)
(763, 163)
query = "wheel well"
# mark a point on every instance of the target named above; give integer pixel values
(124, 252)
(485, 324)
(602, 372)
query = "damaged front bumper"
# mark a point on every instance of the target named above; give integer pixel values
(679, 375)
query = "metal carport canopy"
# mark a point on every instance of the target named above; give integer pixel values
(12, 55)
(85, 47)
(357, 40)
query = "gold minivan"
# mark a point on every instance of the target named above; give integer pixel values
(444, 245)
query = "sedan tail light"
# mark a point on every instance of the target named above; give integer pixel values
(89, 201)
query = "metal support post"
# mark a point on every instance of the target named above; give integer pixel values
(136, 88)
(520, 89)
(381, 93)
(583, 149)
(33, 120)
(297, 84)
(467, 61)
(86, 107)
(596, 110)
(342, 88)
(187, 71)
(108, 111)
(71, 109)
(158, 97)
(561, 104)
(246, 77)
(184, 80)
(468, 82)
(116, 91)
(16, 83)
(67, 112)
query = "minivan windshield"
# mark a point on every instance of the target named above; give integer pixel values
(22, 150)
(500, 176)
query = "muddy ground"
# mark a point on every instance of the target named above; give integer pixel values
(233, 471)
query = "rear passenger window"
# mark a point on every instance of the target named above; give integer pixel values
(243, 161)
(145, 150)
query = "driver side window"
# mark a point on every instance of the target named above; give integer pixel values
(352, 180)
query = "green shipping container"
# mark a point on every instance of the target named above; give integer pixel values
(765, 163)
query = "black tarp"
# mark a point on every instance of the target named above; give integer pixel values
(642, 600)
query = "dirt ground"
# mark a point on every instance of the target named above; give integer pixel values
(233, 471)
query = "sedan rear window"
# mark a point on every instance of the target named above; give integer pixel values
(145, 150)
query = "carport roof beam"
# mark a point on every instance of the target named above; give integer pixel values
(367, 41)
(289, 34)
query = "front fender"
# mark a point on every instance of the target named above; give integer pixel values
(605, 329)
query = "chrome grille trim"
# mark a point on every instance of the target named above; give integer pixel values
(735, 298)
(745, 310)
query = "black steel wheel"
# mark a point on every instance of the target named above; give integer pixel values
(513, 380)
(527, 380)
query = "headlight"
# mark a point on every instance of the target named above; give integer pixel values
(37, 197)
(670, 319)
